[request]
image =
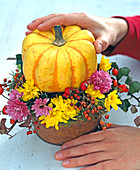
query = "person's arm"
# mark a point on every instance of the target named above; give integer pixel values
(130, 43)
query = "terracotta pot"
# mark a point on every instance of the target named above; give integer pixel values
(65, 132)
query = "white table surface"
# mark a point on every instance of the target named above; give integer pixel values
(29, 152)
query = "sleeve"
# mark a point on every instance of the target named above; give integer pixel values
(130, 44)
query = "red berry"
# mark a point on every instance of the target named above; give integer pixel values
(4, 110)
(37, 128)
(86, 115)
(115, 83)
(75, 107)
(78, 97)
(77, 91)
(92, 98)
(64, 95)
(1, 90)
(80, 108)
(84, 85)
(75, 95)
(17, 70)
(28, 133)
(0, 85)
(68, 90)
(115, 72)
(9, 81)
(92, 101)
(34, 131)
(71, 97)
(12, 121)
(88, 111)
(104, 128)
(92, 111)
(107, 116)
(85, 112)
(89, 118)
(5, 80)
(35, 123)
(99, 107)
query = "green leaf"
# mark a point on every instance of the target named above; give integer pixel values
(125, 105)
(134, 87)
(138, 104)
(128, 80)
(114, 65)
(124, 71)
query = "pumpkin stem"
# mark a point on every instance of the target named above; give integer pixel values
(59, 41)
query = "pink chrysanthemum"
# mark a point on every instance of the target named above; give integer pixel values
(101, 80)
(15, 95)
(41, 108)
(17, 110)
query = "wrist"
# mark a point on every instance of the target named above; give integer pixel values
(121, 28)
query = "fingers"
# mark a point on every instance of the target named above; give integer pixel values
(47, 22)
(105, 165)
(80, 150)
(101, 43)
(92, 137)
(89, 159)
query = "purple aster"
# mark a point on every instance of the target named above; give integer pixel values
(15, 95)
(41, 108)
(101, 80)
(17, 110)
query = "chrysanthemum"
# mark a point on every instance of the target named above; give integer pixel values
(15, 95)
(62, 112)
(112, 100)
(29, 90)
(94, 93)
(17, 110)
(101, 80)
(104, 64)
(41, 108)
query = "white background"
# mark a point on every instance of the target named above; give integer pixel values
(29, 152)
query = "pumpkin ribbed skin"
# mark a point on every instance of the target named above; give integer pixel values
(54, 68)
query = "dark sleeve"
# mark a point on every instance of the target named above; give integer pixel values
(130, 44)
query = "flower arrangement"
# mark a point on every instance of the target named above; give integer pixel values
(28, 105)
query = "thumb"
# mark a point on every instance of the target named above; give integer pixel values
(101, 44)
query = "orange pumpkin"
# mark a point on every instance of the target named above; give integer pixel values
(54, 62)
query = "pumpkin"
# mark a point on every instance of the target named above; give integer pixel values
(59, 58)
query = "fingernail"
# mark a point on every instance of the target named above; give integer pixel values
(66, 162)
(64, 146)
(99, 49)
(58, 155)
(31, 23)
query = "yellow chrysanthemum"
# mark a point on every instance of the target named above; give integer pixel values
(94, 93)
(104, 64)
(62, 112)
(112, 100)
(29, 90)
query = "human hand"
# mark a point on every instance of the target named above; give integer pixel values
(115, 148)
(107, 31)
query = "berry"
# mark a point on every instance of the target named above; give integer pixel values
(92, 102)
(37, 128)
(4, 110)
(34, 131)
(101, 123)
(99, 107)
(86, 115)
(64, 95)
(9, 81)
(78, 97)
(75, 107)
(107, 116)
(92, 111)
(77, 91)
(88, 111)
(1, 90)
(122, 88)
(5, 80)
(12, 121)
(115, 72)
(89, 118)
(104, 128)
(75, 95)
(84, 85)
(17, 70)
(115, 83)
(35, 123)
(68, 90)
